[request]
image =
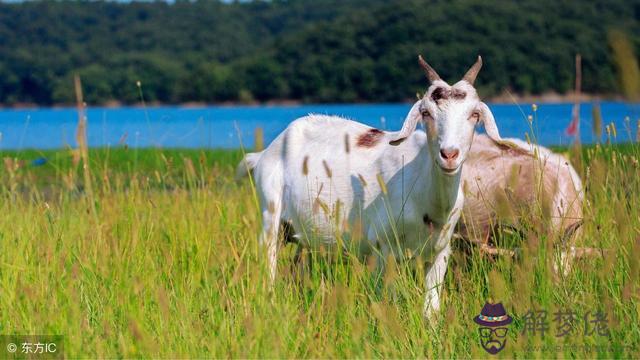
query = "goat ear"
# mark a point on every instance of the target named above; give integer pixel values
(491, 128)
(410, 123)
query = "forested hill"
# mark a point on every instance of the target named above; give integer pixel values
(315, 51)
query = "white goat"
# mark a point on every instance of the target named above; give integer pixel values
(510, 180)
(403, 188)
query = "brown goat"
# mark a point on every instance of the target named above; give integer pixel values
(502, 183)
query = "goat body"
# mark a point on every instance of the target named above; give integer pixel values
(324, 174)
(501, 184)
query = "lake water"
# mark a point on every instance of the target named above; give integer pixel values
(225, 127)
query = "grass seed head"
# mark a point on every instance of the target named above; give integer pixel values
(383, 186)
(327, 169)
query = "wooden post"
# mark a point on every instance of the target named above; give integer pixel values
(83, 147)
(577, 94)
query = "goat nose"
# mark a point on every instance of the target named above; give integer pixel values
(449, 153)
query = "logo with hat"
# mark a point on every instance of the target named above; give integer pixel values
(493, 321)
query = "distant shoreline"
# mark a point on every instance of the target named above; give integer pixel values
(505, 98)
(552, 98)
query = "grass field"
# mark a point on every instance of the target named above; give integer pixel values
(159, 258)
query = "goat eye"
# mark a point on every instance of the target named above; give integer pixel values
(425, 113)
(475, 116)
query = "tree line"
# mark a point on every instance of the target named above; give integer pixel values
(311, 51)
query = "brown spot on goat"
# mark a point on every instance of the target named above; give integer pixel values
(370, 138)
(305, 166)
(439, 93)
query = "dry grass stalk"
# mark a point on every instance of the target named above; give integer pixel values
(596, 113)
(578, 252)
(258, 139)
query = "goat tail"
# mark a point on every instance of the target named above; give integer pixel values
(247, 164)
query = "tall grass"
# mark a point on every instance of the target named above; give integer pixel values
(172, 268)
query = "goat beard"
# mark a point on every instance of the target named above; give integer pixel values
(493, 349)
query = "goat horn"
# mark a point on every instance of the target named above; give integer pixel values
(432, 75)
(470, 76)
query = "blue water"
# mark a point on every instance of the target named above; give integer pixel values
(225, 127)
